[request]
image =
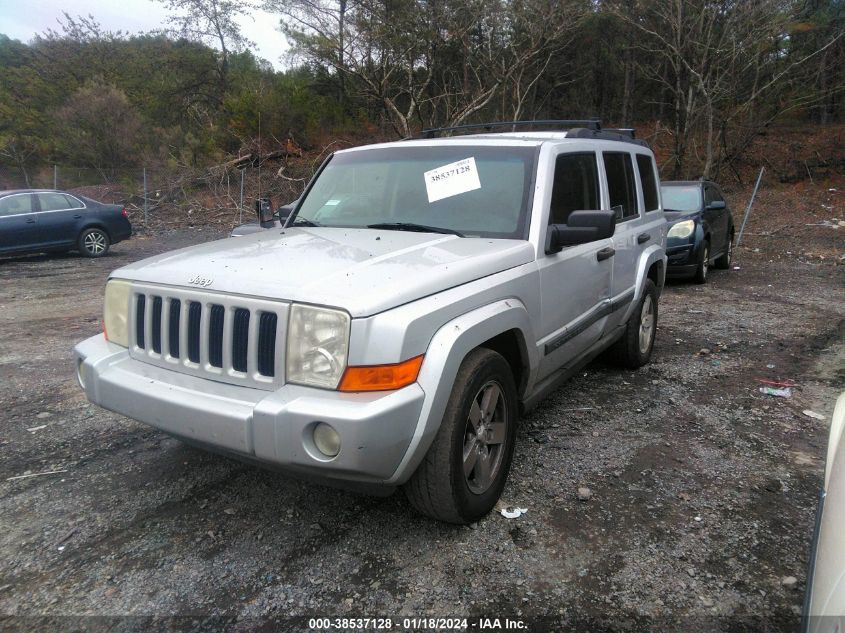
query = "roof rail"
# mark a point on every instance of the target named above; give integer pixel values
(625, 131)
(590, 124)
(624, 135)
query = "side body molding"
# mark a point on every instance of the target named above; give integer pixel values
(447, 349)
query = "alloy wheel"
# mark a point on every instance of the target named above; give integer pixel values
(484, 438)
(95, 242)
(646, 324)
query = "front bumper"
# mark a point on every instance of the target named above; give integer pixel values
(682, 260)
(275, 428)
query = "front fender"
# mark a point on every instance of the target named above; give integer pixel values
(446, 351)
(651, 255)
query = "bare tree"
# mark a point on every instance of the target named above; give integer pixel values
(722, 60)
(530, 44)
(324, 20)
(212, 22)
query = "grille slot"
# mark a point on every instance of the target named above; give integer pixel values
(139, 321)
(240, 340)
(173, 327)
(215, 336)
(267, 344)
(156, 317)
(194, 320)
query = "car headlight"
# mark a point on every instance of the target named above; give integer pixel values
(682, 229)
(116, 312)
(318, 343)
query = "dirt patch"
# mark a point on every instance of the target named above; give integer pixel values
(703, 489)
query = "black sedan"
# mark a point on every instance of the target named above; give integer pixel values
(33, 221)
(701, 228)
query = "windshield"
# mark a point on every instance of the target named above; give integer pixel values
(681, 198)
(469, 190)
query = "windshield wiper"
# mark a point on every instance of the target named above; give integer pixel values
(410, 226)
(305, 222)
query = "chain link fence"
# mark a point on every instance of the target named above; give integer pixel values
(157, 197)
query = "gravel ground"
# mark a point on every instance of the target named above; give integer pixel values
(700, 508)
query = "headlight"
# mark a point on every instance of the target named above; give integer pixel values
(318, 343)
(682, 229)
(116, 312)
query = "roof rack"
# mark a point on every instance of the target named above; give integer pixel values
(624, 135)
(577, 128)
(590, 124)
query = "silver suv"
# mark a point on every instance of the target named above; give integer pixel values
(420, 296)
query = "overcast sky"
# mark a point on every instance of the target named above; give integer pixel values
(22, 19)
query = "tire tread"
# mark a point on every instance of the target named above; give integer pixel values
(430, 490)
(626, 351)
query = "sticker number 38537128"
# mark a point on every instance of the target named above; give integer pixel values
(451, 180)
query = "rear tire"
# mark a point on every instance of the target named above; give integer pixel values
(724, 261)
(466, 467)
(703, 268)
(93, 242)
(633, 350)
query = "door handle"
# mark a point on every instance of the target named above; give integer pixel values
(605, 253)
(30, 221)
(77, 217)
(642, 238)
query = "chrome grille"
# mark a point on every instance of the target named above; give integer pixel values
(232, 339)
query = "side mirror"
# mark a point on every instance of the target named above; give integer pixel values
(264, 211)
(582, 227)
(285, 210)
(716, 205)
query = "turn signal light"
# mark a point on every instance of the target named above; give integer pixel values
(381, 377)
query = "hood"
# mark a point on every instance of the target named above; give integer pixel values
(676, 216)
(364, 271)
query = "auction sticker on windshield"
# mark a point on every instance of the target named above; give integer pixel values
(451, 180)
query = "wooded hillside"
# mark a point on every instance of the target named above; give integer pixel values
(705, 76)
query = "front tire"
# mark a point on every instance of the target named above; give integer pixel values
(93, 242)
(703, 267)
(466, 467)
(723, 262)
(633, 350)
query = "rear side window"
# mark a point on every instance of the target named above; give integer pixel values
(53, 201)
(72, 203)
(649, 182)
(576, 186)
(16, 205)
(620, 185)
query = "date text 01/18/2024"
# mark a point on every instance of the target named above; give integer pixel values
(416, 624)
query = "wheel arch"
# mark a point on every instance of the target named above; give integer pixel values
(93, 224)
(657, 273)
(503, 326)
(512, 347)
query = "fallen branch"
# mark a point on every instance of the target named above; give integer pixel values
(49, 472)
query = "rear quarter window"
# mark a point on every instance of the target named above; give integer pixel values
(645, 166)
(53, 201)
(620, 185)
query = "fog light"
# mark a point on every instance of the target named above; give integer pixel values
(326, 439)
(80, 373)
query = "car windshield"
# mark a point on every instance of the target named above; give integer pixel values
(681, 198)
(467, 190)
